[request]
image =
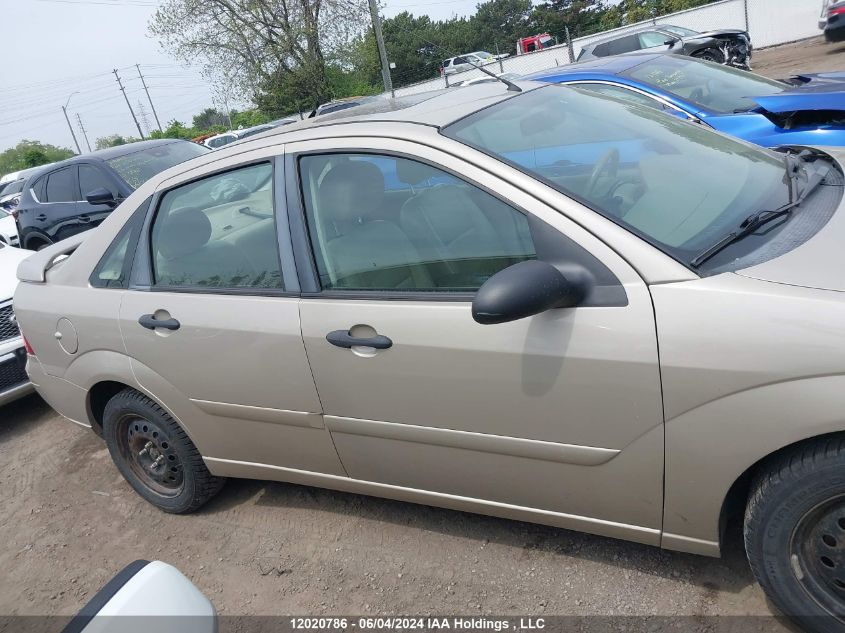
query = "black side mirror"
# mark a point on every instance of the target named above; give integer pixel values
(101, 195)
(670, 42)
(526, 289)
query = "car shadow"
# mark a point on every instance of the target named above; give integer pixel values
(729, 573)
(22, 416)
(835, 49)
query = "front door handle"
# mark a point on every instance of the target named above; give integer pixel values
(84, 219)
(150, 322)
(342, 338)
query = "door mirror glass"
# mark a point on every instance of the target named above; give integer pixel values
(526, 289)
(101, 195)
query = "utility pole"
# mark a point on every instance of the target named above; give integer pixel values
(84, 133)
(70, 127)
(144, 83)
(382, 52)
(128, 105)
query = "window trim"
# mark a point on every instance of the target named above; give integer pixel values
(605, 82)
(305, 255)
(141, 277)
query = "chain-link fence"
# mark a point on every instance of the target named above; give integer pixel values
(769, 22)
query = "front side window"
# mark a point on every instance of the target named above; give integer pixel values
(61, 186)
(91, 178)
(712, 86)
(386, 223)
(678, 185)
(218, 233)
(650, 39)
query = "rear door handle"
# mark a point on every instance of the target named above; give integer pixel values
(150, 322)
(342, 338)
(85, 219)
(40, 217)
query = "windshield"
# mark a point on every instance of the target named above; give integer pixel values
(678, 30)
(138, 167)
(710, 86)
(677, 184)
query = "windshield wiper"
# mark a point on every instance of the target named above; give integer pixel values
(756, 220)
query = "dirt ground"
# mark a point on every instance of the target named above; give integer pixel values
(810, 56)
(69, 522)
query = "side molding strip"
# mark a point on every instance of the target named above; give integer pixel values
(261, 414)
(482, 442)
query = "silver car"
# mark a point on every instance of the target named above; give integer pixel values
(545, 305)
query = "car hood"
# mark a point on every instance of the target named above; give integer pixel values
(716, 33)
(817, 263)
(825, 91)
(10, 257)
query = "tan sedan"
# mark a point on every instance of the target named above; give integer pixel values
(550, 306)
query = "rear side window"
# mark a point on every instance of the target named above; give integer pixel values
(115, 265)
(218, 233)
(39, 188)
(61, 186)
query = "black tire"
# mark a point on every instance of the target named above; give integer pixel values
(711, 55)
(155, 456)
(795, 533)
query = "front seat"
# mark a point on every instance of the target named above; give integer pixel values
(186, 257)
(361, 253)
(449, 229)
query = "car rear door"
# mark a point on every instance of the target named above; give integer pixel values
(211, 319)
(559, 412)
(57, 218)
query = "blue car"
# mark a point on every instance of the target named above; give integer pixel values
(809, 110)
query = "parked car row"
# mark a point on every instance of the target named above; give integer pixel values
(219, 140)
(463, 295)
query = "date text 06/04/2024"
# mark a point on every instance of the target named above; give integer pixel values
(417, 623)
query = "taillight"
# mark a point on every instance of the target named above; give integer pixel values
(15, 214)
(27, 346)
(837, 11)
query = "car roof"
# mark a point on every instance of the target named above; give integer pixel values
(436, 108)
(640, 29)
(606, 65)
(108, 153)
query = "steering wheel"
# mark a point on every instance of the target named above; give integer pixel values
(609, 163)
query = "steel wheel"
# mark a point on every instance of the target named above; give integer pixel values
(817, 552)
(150, 454)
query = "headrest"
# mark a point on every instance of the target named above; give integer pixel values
(411, 172)
(185, 231)
(351, 189)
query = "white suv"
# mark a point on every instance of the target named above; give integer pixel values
(467, 62)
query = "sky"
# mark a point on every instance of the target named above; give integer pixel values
(64, 51)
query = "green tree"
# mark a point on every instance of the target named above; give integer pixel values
(500, 23)
(209, 118)
(28, 154)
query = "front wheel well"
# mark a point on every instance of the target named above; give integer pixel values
(98, 397)
(737, 497)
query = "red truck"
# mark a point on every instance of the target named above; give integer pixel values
(533, 43)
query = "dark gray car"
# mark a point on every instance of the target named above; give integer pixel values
(726, 46)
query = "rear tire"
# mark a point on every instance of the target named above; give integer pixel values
(711, 55)
(155, 455)
(795, 533)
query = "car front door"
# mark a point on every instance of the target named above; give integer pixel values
(560, 413)
(211, 323)
(91, 177)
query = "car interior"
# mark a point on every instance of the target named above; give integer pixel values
(219, 232)
(379, 222)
